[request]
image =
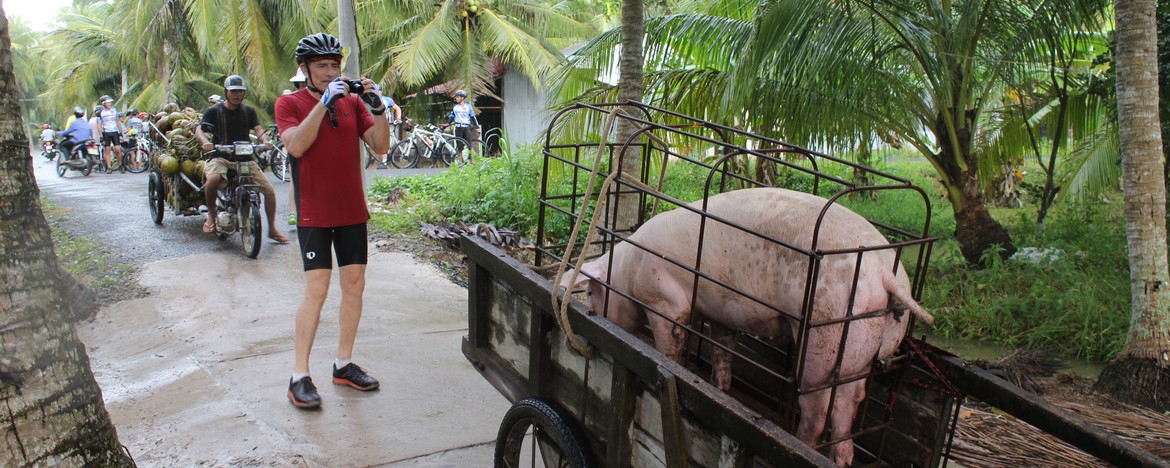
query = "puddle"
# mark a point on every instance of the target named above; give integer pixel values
(978, 350)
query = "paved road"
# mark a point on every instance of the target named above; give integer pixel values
(196, 373)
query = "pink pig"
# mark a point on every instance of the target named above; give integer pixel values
(776, 275)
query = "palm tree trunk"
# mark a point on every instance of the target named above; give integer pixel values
(53, 412)
(1141, 372)
(975, 229)
(630, 85)
(347, 28)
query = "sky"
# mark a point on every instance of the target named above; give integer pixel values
(37, 13)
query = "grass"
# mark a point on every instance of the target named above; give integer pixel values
(1077, 305)
(89, 261)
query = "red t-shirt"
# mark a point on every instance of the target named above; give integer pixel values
(327, 179)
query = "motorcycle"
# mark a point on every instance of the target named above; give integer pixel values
(80, 158)
(238, 204)
(49, 149)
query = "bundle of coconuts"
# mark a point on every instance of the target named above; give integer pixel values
(181, 151)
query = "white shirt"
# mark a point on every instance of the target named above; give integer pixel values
(110, 120)
(47, 134)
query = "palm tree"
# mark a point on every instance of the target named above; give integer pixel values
(1141, 372)
(55, 414)
(464, 41)
(929, 81)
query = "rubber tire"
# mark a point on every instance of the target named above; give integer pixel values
(62, 166)
(448, 157)
(88, 167)
(251, 233)
(404, 155)
(279, 166)
(141, 156)
(546, 417)
(156, 197)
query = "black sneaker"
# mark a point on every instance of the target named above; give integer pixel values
(355, 377)
(303, 394)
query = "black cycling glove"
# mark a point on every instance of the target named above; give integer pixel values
(377, 106)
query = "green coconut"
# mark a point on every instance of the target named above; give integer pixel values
(169, 165)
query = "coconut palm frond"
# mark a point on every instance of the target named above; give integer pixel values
(429, 49)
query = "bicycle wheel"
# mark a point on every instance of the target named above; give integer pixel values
(404, 155)
(250, 228)
(537, 432)
(139, 161)
(279, 165)
(449, 151)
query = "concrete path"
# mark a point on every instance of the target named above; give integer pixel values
(196, 373)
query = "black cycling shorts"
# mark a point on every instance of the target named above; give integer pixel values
(464, 133)
(349, 242)
(111, 139)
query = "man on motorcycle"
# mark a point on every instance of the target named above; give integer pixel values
(231, 120)
(47, 134)
(77, 132)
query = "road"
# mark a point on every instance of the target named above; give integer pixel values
(196, 373)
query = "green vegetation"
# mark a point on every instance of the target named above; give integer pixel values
(89, 261)
(1075, 305)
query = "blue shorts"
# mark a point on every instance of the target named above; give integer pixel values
(319, 243)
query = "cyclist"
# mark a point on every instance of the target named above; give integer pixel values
(320, 126)
(77, 133)
(214, 99)
(463, 116)
(112, 128)
(232, 119)
(133, 129)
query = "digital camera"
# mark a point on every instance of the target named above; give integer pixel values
(355, 86)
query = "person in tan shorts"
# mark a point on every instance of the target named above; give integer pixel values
(237, 119)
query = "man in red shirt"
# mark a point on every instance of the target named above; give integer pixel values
(320, 125)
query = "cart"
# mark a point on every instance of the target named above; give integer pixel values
(628, 405)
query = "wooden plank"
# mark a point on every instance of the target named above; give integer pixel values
(622, 401)
(672, 424)
(1043, 415)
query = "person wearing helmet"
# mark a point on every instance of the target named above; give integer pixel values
(75, 133)
(463, 116)
(78, 113)
(230, 121)
(47, 135)
(111, 127)
(133, 132)
(321, 126)
(214, 99)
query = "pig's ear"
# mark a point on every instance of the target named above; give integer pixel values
(594, 268)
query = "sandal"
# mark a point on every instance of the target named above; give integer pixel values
(208, 227)
(278, 240)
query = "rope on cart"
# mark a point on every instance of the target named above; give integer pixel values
(560, 302)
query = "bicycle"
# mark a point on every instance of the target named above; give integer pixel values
(390, 155)
(432, 144)
(135, 155)
(276, 158)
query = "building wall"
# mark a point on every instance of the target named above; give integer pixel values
(524, 114)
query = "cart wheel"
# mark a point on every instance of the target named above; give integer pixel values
(61, 167)
(537, 426)
(250, 232)
(155, 197)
